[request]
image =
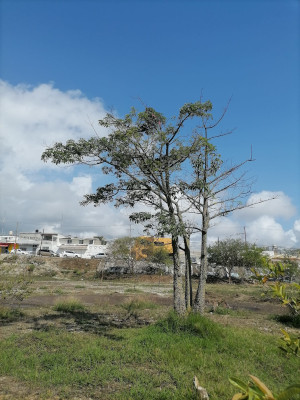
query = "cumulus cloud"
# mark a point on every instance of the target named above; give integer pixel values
(44, 196)
(275, 204)
(33, 118)
(260, 223)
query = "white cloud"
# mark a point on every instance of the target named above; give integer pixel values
(297, 225)
(259, 224)
(33, 118)
(81, 185)
(275, 204)
(265, 230)
(45, 196)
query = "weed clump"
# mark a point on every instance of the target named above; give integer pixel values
(194, 324)
(137, 304)
(69, 306)
(10, 314)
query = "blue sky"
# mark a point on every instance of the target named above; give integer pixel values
(120, 54)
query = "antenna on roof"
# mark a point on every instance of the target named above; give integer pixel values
(251, 159)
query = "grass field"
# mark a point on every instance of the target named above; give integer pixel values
(74, 339)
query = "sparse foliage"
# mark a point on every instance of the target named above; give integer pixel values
(174, 173)
(289, 294)
(255, 389)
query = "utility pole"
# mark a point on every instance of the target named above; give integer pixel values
(15, 245)
(245, 235)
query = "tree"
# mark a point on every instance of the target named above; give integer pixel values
(173, 172)
(144, 157)
(122, 248)
(216, 191)
(231, 253)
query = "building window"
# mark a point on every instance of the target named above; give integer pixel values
(80, 241)
(69, 241)
(47, 237)
(91, 241)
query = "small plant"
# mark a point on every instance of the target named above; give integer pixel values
(288, 294)
(136, 304)
(290, 343)
(30, 268)
(257, 390)
(77, 272)
(70, 306)
(9, 314)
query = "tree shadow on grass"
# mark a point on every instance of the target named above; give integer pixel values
(84, 321)
(288, 320)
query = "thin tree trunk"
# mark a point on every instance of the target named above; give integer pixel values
(188, 274)
(199, 304)
(178, 293)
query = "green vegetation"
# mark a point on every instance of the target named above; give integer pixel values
(137, 304)
(69, 306)
(255, 389)
(10, 314)
(14, 288)
(231, 253)
(146, 156)
(154, 362)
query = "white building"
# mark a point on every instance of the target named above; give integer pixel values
(32, 242)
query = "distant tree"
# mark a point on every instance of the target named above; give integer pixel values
(122, 248)
(231, 253)
(292, 270)
(160, 256)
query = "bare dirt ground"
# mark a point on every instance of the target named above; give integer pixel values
(106, 300)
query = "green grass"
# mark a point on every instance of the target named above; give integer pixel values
(69, 306)
(154, 362)
(137, 304)
(228, 311)
(10, 314)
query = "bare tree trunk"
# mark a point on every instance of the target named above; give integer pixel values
(188, 274)
(178, 293)
(199, 304)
